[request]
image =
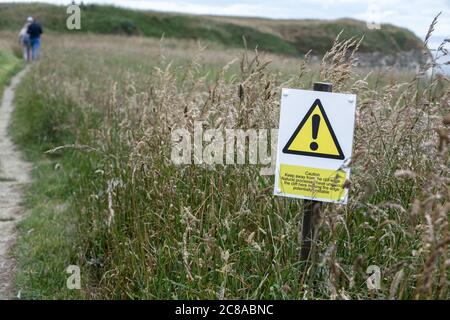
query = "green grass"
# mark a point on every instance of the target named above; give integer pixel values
(47, 244)
(46, 247)
(9, 64)
(295, 38)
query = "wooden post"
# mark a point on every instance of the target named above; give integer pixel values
(311, 208)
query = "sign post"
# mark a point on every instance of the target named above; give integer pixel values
(315, 139)
(311, 209)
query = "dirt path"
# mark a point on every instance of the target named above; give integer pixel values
(14, 173)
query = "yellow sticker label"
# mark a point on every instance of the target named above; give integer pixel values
(312, 183)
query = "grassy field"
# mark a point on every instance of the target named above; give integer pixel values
(288, 37)
(108, 198)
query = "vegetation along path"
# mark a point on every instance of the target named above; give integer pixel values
(14, 174)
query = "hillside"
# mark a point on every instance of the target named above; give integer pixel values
(288, 37)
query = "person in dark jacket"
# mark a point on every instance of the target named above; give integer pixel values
(35, 31)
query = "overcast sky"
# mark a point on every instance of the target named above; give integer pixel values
(415, 15)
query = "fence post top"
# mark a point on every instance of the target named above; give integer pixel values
(323, 86)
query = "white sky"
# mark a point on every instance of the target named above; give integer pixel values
(415, 15)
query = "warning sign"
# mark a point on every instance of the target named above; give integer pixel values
(314, 141)
(314, 136)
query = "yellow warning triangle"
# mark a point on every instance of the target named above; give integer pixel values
(314, 136)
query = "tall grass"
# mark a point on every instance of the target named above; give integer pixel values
(147, 228)
(9, 63)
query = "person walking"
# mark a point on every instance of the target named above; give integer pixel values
(24, 39)
(35, 31)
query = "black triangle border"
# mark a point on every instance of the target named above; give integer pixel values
(300, 126)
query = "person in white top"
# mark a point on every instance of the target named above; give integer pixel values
(24, 40)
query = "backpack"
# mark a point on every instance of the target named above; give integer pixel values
(25, 37)
(26, 40)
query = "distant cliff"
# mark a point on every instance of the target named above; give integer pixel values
(387, 46)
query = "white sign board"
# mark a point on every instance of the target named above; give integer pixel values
(315, 141)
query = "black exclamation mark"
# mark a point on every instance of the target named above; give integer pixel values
(315, 131)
